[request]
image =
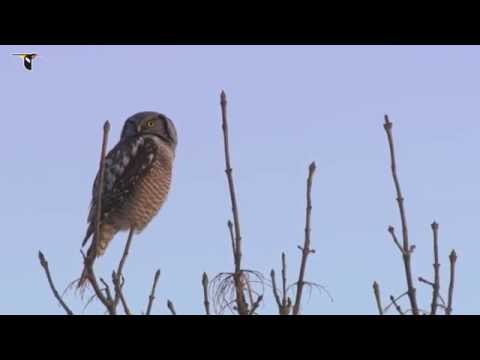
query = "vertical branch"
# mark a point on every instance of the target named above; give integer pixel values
(44, 264)
(106, 130)
(117, 276)
(376, 291)
(306, 246)
(284, 280)
(453, 260)
(89, 259)
(407, 251)
(152, 293)
(206, 303)
(436, 269)
(240, 299)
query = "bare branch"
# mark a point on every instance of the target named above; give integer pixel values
(284, 280)
(98, 215)
(406, 246)
(44, 264)
(206, 303)
(396, 299)
(118, 274)
(151, 298)
(98, 292)
(171, 307)
(306, 246)
(394, 302)
(256, 304)
(275, 291)
(241, 304)
(436, 269)
(391, 230)
(376, 291)
(119, 293)
(453, 260)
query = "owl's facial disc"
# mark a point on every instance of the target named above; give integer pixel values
(151, 123)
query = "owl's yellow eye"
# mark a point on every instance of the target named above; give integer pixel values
(150, 123)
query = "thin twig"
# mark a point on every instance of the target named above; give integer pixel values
(206, 303)
(436, 269)
(256, 304)
(44, 264)
(275, 291)
(396, 299)
(453, 260)
(394, 302)
(98, 292)
(428, 282)
(391, 230)
(241, 304)
(306, 246)
(118, 274)
(406, 246)
(107, 290)
(152, 292)
(284, 280)
(376, 291)
(171, 307)
(119, 293)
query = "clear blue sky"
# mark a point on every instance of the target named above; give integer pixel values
(288, 105)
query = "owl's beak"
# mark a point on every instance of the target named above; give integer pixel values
(139, 128)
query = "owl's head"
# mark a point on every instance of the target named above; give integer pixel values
(151, 123)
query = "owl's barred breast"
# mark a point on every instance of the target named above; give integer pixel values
(145, 201)
(149, 197)
(150, 193)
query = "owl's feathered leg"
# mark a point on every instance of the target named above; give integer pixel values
(107, 232)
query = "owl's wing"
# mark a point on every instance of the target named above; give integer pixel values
(125, 165)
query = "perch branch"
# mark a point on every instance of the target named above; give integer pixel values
(98, 292)
(118, 275)
(98, 215)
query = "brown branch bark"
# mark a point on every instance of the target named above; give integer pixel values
(44, 264)
(436, 269)
(151, 298)
(306, 246)
(242, 306)
(453, 260)
(376, 291)
(206, 303)
(406, 254)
